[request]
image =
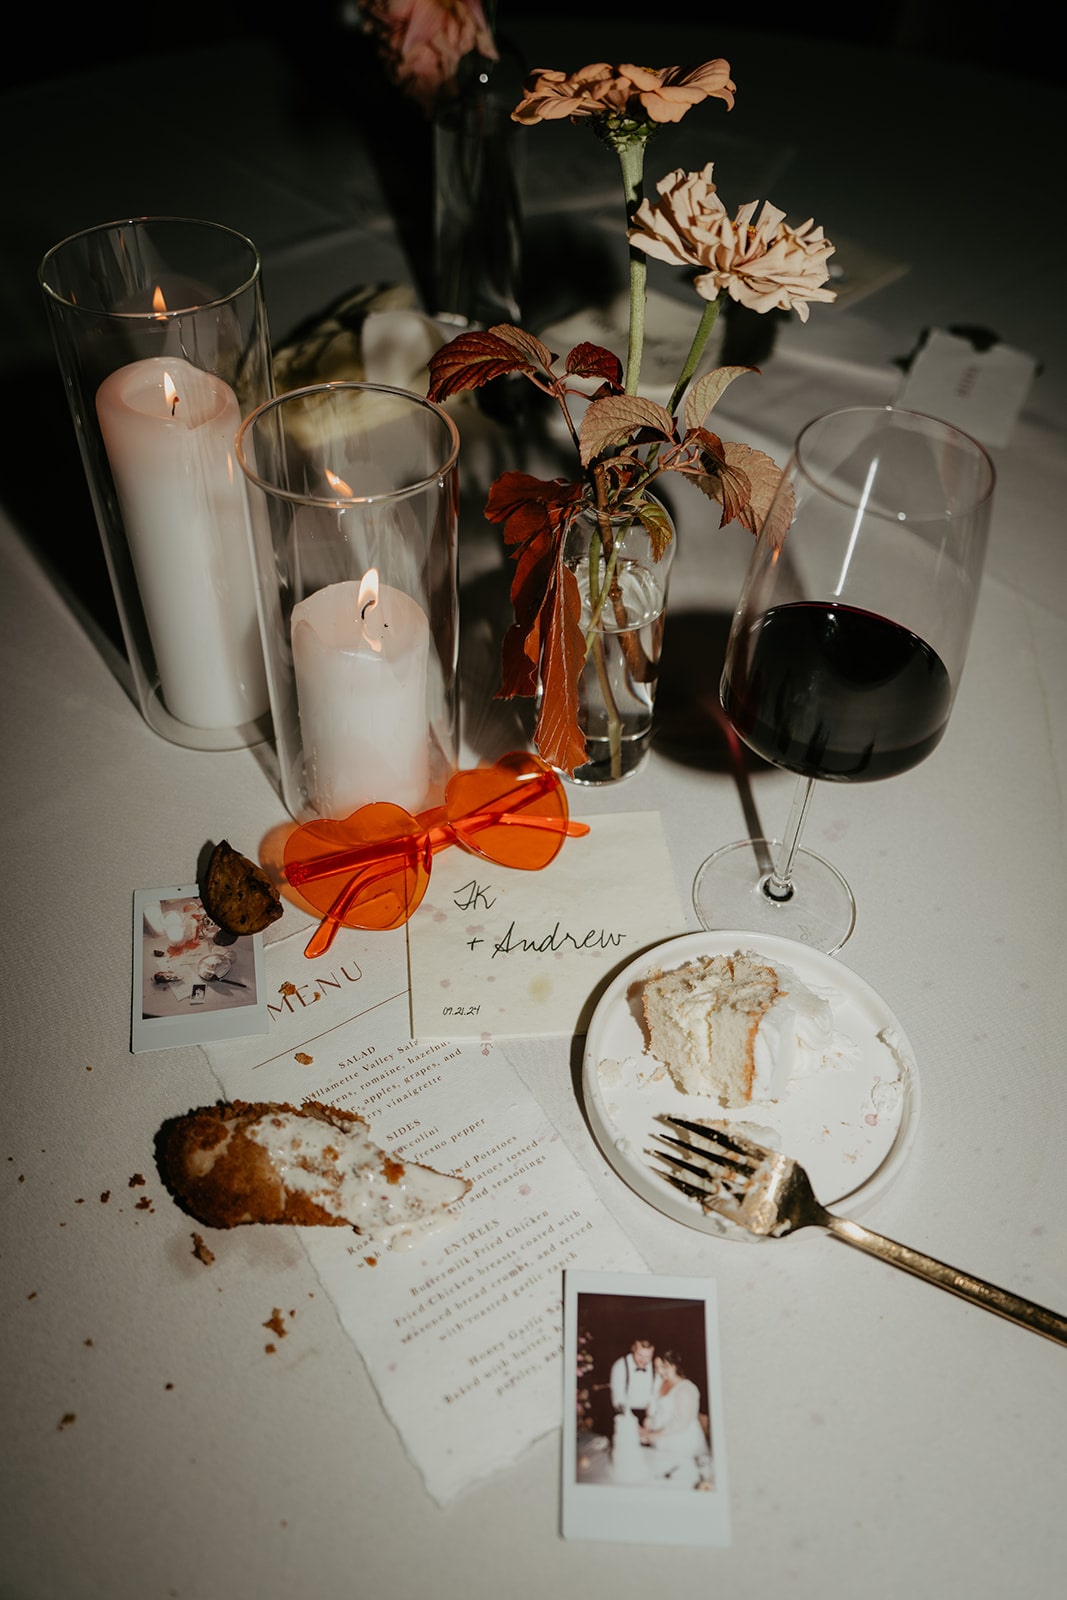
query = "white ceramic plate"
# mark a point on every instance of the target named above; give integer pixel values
(851, 1124)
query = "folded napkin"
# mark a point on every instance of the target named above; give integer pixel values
(373, 334)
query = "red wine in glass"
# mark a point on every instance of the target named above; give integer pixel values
(848, 641)
(834, 692)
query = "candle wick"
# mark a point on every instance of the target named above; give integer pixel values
(174, 404)
(366, 607)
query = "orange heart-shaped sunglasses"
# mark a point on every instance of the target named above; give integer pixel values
(513, 813)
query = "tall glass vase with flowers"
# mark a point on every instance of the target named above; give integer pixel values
(444, 56)
(626, 442)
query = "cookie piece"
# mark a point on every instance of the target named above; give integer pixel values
(237, 894)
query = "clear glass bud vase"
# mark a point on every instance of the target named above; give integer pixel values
(623, 587)
(477, 212)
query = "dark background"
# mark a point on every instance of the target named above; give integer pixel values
(1016, 40)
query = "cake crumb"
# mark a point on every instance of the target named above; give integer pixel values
(304, 1059)
(201, 1251)
(276, 1323)
(105, 1197)
(137, 1181)
(67, 1418)
(269, 1349)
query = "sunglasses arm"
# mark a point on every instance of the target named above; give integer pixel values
(358, 858)
(334, 918)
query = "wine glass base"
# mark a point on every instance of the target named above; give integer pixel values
(730, 892)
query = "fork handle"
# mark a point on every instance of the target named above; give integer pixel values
(1028, 1315)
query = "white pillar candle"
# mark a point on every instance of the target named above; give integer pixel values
(360, 671)
(183, 508)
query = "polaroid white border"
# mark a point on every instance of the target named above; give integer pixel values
(653, 1514)
(203, 1027)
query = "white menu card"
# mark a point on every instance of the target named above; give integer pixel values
(461, 1333)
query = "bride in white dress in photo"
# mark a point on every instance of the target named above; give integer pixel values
(679, 1456)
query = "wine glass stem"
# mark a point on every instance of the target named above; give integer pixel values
(778, 884)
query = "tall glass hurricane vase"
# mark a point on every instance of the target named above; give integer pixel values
(848, 641)
(353, 492)
(160, 330)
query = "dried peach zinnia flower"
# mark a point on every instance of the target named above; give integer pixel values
(638, 94)
(763, 264)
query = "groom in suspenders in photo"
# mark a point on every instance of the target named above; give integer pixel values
(632, 1380)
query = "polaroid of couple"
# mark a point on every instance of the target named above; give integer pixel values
(643, 1449)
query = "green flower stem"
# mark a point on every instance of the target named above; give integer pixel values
(614, 720)
(692, 361)
(696, 350)
(598, 595)
(631, 153)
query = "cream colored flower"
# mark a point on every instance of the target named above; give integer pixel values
(685, 225)
(639, 94)
(763, 264)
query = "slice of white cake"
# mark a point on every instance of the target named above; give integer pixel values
(735, 1027)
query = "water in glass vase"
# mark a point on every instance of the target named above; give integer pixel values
(830, 691)
(617, 688)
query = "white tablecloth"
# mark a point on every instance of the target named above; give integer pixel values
(884, 1438)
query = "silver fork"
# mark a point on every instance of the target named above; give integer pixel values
(770, 1194)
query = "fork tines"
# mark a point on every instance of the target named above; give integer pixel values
(721, 1162)
(718, 1142)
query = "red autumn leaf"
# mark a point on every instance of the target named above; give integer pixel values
(544, 648)
(531, 348)
(707, 391)
(615, 420)
(593, 361)
(471, 359)
(709, 448)
(762, 476)
(734, 491)
(524, 504)
(562, 655)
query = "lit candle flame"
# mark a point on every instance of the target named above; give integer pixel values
(159, 305)
(367, 600)
(338, 485)
(170, 393)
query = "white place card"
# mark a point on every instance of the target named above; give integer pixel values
(462, 1332)
(496, 952)
(981, 391)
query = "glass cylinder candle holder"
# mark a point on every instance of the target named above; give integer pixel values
(161, 334)
(354, 497)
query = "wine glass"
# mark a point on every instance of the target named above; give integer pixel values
(848, 641)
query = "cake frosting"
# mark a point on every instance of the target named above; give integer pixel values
(735, 1027)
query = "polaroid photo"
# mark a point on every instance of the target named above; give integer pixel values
(192, 983)
(644, 1451)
